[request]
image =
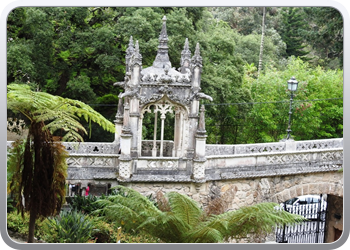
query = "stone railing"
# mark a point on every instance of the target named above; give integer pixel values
(273, 164)
(101, 161)
(91, 148)
(261, 148)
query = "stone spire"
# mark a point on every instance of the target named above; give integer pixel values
(197, 59)
(136, 57)
(129, 51)
(162, 58)
(185, 57)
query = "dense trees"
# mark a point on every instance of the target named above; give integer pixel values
(79, 53)
(317, 108)
(293, 24)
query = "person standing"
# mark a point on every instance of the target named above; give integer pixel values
(87, 190)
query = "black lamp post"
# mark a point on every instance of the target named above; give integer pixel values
(292, 86)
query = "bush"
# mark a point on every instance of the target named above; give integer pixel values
(84, 204)
(16, 223)
(69, 227)
(104, 232)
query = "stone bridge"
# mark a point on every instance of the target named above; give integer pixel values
(256, 172)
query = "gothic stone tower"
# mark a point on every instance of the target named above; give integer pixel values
(161, 89)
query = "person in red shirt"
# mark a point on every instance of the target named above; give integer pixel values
(87, 190)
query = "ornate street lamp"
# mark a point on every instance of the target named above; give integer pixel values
(292, 86)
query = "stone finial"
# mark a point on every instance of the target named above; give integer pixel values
(185, 57)
(197, 59)
(129, 51)
(136, 57)
(162, 57)
(163, 37)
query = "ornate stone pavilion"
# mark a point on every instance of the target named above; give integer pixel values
(162, 90)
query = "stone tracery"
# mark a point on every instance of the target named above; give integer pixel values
(161, 89)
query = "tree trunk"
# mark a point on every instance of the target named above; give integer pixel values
(262, 41)
(32, 219)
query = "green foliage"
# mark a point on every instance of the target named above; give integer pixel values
(274, 48)
(79, 52)
(179, 219)
(10, 206)
(19, 224)
(79, 88)
(222, 79)
(70, 227)
(293, 25)
(326, 36)
(321, 119)
(39, 168)
(84, 204)
(59, 113)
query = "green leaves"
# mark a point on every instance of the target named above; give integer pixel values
(186, 222)
(71, 227)
(58, 114)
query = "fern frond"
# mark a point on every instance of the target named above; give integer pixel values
(57, 112)
(185, 208)
(256, 219)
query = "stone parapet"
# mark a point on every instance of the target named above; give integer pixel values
(100, 161)
(262, 148)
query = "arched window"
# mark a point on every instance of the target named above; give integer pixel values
(161, 110)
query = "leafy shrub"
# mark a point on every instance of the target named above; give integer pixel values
(69, 227)
(104, 232)
(84, 204)
(16, 223)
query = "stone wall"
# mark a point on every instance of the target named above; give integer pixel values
(252, 191)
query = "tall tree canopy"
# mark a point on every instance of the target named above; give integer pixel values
(79, 52)
(293, 25)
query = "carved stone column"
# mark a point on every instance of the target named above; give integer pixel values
(134, 120)
(154, 149)
(118, 121)
(200, 159)
(125, 161)
(201, 137)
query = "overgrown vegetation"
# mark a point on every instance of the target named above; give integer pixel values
(169, 218)
(38, 164)
(178, 219)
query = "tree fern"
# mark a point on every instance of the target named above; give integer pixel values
(186, 222)
(40, 169)
(56, 112)
(185, 208)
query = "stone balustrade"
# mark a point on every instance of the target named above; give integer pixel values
(101, 161)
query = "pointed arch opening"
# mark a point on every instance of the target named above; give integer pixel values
(162, 129)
